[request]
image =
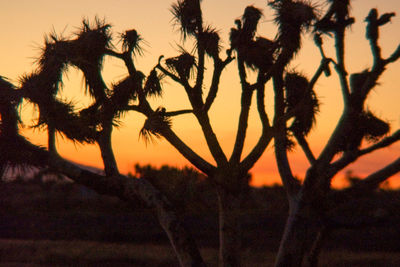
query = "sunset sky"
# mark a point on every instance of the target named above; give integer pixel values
(25, 23)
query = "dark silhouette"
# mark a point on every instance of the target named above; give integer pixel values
(312, 203)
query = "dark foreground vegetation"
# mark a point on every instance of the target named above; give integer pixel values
(60, 223)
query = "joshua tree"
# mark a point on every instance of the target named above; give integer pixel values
(314, 207)
(295, 100)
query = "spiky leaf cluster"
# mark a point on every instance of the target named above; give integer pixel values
(154, 125)
(246, 28)
(297, 91)
(61, 116)
(53, 60)
(124, 91)
(92, 42)
(183, 64)
(16, 152)
(131, 42)
(9, 117)
(336, 18)
(210, 40)
(152, 86)
(364, 125)
(373, 127)
(187, 13)
(250, 19)
(292, 18)
(257, 53)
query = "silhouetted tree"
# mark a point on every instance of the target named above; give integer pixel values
(313, 206)
(295, 100)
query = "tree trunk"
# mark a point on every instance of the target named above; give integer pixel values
(301, 230)
(229, 228)
(313, 255)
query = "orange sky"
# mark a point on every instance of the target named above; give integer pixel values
(24, 24)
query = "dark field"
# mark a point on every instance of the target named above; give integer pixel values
(62, 224)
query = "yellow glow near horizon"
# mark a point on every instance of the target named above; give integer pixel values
(26, 22)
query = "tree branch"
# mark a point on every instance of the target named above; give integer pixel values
(395, 56)
(374, 180)
(351, 156)
(130, 190)
(280, 139)
(177, 79)
(178, 112)
(187, 152)
(266, 136)
(242, 125)
(306, 148)
(218, 68)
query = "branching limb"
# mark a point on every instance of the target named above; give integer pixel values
(323, 65)
(266, 136)
(242, 125)
(177, 79)
(218, 68)
(130, 190)
(306, 148)
(280, 138)
(351, 156)
(178, 112)
(340, 66)
(395, 56)
(374, 180)
(187, 152)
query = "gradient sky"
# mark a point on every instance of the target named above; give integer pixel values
(25, 23)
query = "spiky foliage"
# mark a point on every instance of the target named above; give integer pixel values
(154, 125)
(297, 90)
(183, 64)
(62, 117)
(53, 60)
(131, 42)
(246, 28)
(292, 18)
(16, 152)
(337, 17)
(152, 86)
(37, 88)
(374, 128)
(87, 53)
(259, 54)
(364, 125)
(250, 20)
(124, 91)
(187, 14)
(210, 41)
(9, 117)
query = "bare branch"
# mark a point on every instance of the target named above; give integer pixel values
(266, 135)
(242, 125)
(218, 68)
(187, 152)
(178, 112)
(374, 180)
(395, 56)
(306, 148)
